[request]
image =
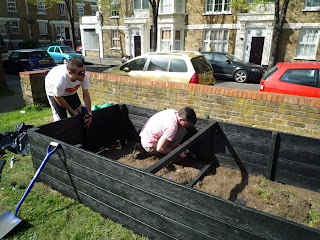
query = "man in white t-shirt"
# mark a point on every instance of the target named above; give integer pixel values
(164, 131)
(62, 83)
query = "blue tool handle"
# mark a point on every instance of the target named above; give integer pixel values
(85, 112)
(49, 153)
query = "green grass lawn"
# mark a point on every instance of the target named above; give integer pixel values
(45, 213)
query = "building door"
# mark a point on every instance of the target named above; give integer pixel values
(256, 50)
(68, 41)
(137, 46)
(67, 32)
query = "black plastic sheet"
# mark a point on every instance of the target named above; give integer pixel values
(16, 141)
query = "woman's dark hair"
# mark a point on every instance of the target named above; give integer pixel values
(188, 115)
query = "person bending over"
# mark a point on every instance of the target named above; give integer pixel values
(164, 131)
(62, 83)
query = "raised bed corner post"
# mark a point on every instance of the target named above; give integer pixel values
(212, 162)
(273, 156)
(170, 156)
(231, 150)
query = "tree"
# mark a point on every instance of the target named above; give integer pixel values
(70, 11)
(280, 16)
(155, 11)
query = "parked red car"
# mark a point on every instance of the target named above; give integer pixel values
(79, 49)
(297, 78)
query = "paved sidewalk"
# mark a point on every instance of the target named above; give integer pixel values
(15, 101)
(103, 61)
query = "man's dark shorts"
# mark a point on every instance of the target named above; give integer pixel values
(60, 112)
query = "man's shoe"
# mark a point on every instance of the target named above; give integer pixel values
(139, 152)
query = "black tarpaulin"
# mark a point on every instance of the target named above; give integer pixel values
(16, 141)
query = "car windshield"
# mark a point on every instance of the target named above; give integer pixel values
(269, 72)
(39, 55)
(67, 50)
(233, 58)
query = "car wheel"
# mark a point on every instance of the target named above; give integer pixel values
(64, 61)
(241, 76)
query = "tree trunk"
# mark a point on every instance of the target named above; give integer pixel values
(277, 28)
(155, 32)
(155, 10)
(70, 10)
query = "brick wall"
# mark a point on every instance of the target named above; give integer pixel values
(284, 113)
(32, 86)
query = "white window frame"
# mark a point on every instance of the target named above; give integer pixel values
(208, 38)
(6, 45)
(80, 9)
(3, 29)
(62, 8)
(307, 41)
(141, 5)
(211, 7)
(166, 6)
(94, 9)
(114, 4)
(41, 8)
(43, 27)
(11, 6)
(178, 41)
(179, 6)
(58, 31)
(312, 7)
(166, 43)
(76, 31)
(14, 27)
(115, 39)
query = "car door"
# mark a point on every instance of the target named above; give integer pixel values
(133, 68)
(302, 82)
(318, 82)
(222, 67)
(51, 51)
(58, 54)
(157, 69)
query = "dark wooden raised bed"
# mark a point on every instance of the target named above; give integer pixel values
(162, 209)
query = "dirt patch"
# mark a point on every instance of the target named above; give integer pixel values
(286, 201)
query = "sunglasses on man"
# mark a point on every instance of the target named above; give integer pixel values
(81, 73)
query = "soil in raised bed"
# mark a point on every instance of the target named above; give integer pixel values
(292, 203)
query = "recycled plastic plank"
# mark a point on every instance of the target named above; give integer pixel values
(200, 174)
(157, 207)
(106, 210)
(240, 220)
(145, 202)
